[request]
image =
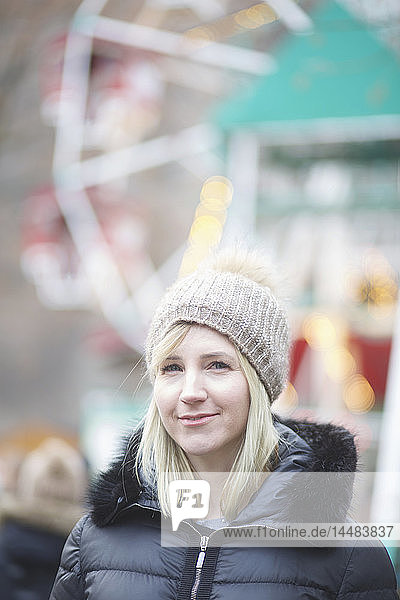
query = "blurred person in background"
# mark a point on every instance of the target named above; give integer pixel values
(37, 510)
(217, 354)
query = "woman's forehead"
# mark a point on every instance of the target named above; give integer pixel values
(201, 336)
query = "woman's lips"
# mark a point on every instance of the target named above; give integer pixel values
(195, 420)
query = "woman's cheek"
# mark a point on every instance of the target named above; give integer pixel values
(165, 403)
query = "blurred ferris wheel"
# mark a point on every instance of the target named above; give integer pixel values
(103, 87)
(104, 90)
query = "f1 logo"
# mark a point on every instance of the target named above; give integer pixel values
(189, 499)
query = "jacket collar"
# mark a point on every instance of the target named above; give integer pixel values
(304, 447)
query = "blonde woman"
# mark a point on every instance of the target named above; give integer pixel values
(217, 354)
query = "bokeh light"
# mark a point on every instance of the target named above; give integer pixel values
(339, 363)
(205, 231)
(216, 193)
(255, 16)
(375, 287)
(287, 401)
(319, 332)
(225, 27)
(358, 394)
(210, 216)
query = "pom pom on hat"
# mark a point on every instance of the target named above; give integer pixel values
(249, 263)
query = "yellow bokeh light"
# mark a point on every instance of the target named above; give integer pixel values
(216, 193)
(247, 18)
(255, 16)
(202, 211)
(379, 287)
(358, 394)
(287, 401)
(384, 292)
(261, 14)
(191, 260)
(339, 363)
(201, 35)
(319, 332)
(376, 285)
(242, 19)
(205, 231)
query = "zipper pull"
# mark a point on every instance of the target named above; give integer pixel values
(199, 565)
(202, 553)
(204, 543)
(200, 559)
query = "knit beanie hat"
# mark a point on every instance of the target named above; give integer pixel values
(233, 294)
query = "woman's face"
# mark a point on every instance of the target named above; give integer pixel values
(203, 398)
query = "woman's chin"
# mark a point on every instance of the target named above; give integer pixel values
(197, 450)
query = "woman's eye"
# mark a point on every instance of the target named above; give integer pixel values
(219, 364)
(170, 368)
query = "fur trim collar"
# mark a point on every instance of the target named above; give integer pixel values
(323, 448)
(333, 447)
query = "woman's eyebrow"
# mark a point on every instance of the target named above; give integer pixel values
(221, 354)
(216, 355)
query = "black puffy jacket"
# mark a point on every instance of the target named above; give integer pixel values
(115, 552)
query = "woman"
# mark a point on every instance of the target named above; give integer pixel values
(217, 354)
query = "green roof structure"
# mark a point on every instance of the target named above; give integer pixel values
(340, 73)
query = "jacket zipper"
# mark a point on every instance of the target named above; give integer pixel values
(201, 556)
(199, 566)
(204, 539)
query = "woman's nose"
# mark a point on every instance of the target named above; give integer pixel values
(192, 388)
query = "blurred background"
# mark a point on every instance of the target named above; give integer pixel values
(135, 137)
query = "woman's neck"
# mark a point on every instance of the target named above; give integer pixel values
(215, 462)
(217, 480)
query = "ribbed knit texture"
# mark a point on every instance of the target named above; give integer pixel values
(246, 312)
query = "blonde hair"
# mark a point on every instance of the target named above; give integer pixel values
(160, 459)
